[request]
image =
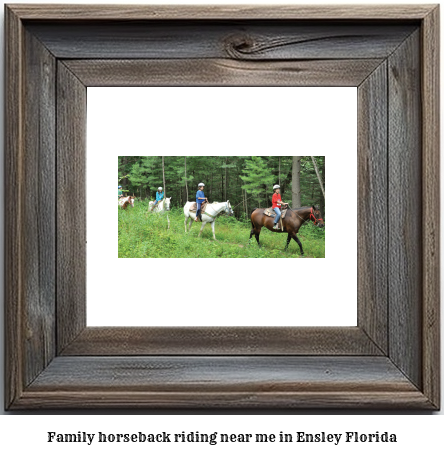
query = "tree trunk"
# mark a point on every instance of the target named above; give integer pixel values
(186, 182)
(221, 186)
(125, 181)
(268, 202)
(323, 196)
(163, 172)
(317, 174)
(296, 183)
(226, 179)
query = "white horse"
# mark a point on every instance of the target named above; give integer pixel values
(164, 205)
(209, 216)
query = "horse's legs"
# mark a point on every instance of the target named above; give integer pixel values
(299, 243)
(256, 233)
(186, 220)
(252, 230)
(288, 241)
(212, 227)
(203, 224)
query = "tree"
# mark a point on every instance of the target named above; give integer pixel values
(258, 181)
(317, 174)
(125, 179)
(163, 173)
(186, 182)
(237, 178)
(322, 204)
(144, 174)
(296, 183)
(137, 177)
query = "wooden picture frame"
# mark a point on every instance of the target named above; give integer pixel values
(390, 360)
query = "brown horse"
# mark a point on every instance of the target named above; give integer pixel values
(292, 222)
(126, 201)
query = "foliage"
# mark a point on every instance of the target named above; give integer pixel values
(246, 181)
(257, 178)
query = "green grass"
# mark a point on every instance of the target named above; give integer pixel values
(145, 235)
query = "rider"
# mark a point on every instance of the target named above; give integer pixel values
(159, 198)
(120, 191)
(276, 200)
(200, 198)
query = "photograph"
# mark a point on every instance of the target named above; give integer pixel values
(254, 207)
(149, 308)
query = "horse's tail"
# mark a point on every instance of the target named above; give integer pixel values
(251, 219)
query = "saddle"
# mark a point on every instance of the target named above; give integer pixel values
(193, 207)
(270, 212)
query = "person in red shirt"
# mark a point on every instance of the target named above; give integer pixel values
(277, 202)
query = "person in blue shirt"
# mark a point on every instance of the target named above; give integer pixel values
(120, 191)
(200, 198)
(159, 198)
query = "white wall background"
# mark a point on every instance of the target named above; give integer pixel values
(20, 434)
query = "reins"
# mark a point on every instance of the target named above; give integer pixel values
(291, 210)
(217, 213)
(242, 202)
(309, 218)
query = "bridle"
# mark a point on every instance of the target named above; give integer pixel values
(227, 209)
(315, 220)
(162, 206)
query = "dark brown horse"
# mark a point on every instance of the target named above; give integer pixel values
(292, 222)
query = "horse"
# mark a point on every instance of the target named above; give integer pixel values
(125, 201)
(292, 222)
(209, 216)
(164, 205)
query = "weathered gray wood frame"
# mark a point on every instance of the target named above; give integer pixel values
(390, 360)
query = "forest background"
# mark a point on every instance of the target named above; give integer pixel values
(247, 182)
